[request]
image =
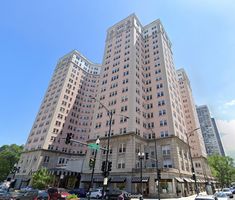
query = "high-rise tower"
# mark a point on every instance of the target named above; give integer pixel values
(193, 130)
(140, 86)
(138, 83)
(222, 153)
(208, 131)
(66, 108)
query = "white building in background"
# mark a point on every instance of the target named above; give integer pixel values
(212, 143)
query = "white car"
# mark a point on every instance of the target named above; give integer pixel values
(205, 197)
(221, 196)
(96, 193)
(228, 192)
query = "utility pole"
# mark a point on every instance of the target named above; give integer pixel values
(191, 159)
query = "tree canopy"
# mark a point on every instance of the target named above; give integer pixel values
(41, 179)
(223, 169)
(9, 155)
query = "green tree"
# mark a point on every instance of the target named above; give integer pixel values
(222, 168)
(9, 155)
(41, 179)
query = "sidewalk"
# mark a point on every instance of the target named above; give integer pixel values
(182, 198)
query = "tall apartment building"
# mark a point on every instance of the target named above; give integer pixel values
(222, 153)
(66, 108)
(208, 131)
(194, 134)
(140, 86)
(138, 83)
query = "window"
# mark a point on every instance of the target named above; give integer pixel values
(125, 73)
(164, 134)
(121, 164)
(166, 150)
(197, 165)
(161, 103)
(163, 122)
(123, 108)
(122, 130)
(61, 160)
(167, 163)
(122, 148)
(162, 112)
(46, 159)
(123, 119)
(160, 94)
(125, 81)
(124, 98)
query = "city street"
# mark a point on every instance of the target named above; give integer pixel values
(182, 198)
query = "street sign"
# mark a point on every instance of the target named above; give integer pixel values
(105, 181)
(93, 146)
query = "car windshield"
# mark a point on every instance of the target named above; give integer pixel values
(226, 190)
(95, 191)
(61, 190)
(205, 198)
(221, 194)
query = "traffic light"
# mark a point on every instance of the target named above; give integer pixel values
(91, 163)
(159, 174)
(103, 167)
(68, 138)
(194, 177)
(146, 156)
(109, 166)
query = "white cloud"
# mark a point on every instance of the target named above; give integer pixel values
(230, 103)
(227, 132)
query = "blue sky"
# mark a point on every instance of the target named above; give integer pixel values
(35, 34)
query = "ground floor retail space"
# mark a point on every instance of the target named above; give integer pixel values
(149, 186)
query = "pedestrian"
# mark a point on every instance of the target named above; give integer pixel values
(185, 192)
(121, 196)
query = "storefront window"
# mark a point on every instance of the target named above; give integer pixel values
(166, 186)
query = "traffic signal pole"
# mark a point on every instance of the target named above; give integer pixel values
(158, 171)
(106, 172)
(92, 175)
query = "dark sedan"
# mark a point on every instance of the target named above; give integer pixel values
(80, 192)
(114, 194)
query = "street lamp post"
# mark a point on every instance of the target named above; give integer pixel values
(191, 159)
(141, 157)
(156, 160)
(110, 114)
(93, 169)
(106, 171)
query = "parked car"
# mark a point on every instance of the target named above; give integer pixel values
(228, 192)
(80, 192)
(221, 196)
(4, 194)
(57, 193)
(27, 188)
(96, 193)
(205, 197)
(20, 195)
(232, 190)
(42, 195)
(115, 193)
